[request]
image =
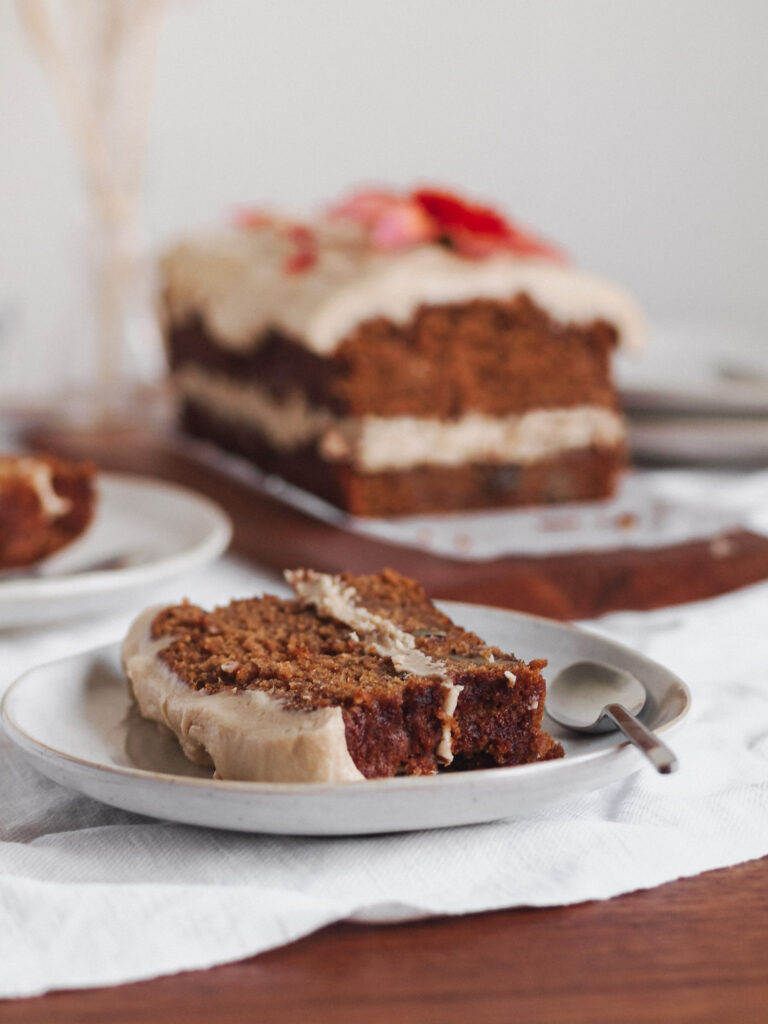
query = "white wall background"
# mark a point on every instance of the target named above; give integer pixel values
(634, 132)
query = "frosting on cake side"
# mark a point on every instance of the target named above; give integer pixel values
(248, 735)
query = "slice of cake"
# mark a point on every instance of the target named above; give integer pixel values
(45, 504)
(401, 354)
(357, 677)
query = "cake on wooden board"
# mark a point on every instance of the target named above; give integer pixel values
(356, 677)
(401, 354)
(45, 504)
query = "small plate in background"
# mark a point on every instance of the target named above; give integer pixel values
(158, 530)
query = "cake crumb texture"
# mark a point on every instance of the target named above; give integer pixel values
(45, 504)
(395, 721)
(490, 358)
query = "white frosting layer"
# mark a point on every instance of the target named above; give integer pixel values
(247, 736)
(331, 597)
(39, 475)
(236, 282)
(375, 443)
(402, 442)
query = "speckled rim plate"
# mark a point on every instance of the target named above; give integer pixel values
(164, 529)
(75, 722)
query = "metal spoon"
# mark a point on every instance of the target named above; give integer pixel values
(589, 696)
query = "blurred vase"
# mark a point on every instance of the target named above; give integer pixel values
(100, 57)
(126, 345)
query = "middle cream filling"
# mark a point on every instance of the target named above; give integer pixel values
(377, 443)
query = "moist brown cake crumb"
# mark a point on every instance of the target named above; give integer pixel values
(581, 475)
(29, 531)
(494, 358)
(393, 719)
(486, 356)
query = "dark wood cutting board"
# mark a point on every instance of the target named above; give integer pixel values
(564, 586)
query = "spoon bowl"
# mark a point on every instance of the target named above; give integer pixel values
(590, 696)
(577, 696)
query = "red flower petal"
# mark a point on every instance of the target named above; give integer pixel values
(450, 212)
(300, 261)
(304, 242)
(479, 231)
(301, 235)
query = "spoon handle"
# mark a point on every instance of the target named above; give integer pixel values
(660, 756)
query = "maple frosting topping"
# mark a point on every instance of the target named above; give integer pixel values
(236, 284)
(379, 254)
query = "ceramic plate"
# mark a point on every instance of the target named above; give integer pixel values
(701, 440)
(76, 723)
(707, 369)
(157, 529)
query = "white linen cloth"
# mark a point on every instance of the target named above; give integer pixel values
(90, 895)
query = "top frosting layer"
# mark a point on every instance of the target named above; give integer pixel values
(240, 283)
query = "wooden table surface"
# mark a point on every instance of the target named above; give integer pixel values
(695, 950)
(576, 585)
(692, 951)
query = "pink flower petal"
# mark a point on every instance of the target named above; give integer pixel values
(402, 226)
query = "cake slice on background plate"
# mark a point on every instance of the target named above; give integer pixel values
(45, 504)
(356, 677)
(403, 353)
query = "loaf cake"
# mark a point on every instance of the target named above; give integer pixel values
(45, 504)
(401, 354)
(357, 677)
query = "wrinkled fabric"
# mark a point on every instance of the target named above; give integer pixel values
(91, 895)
